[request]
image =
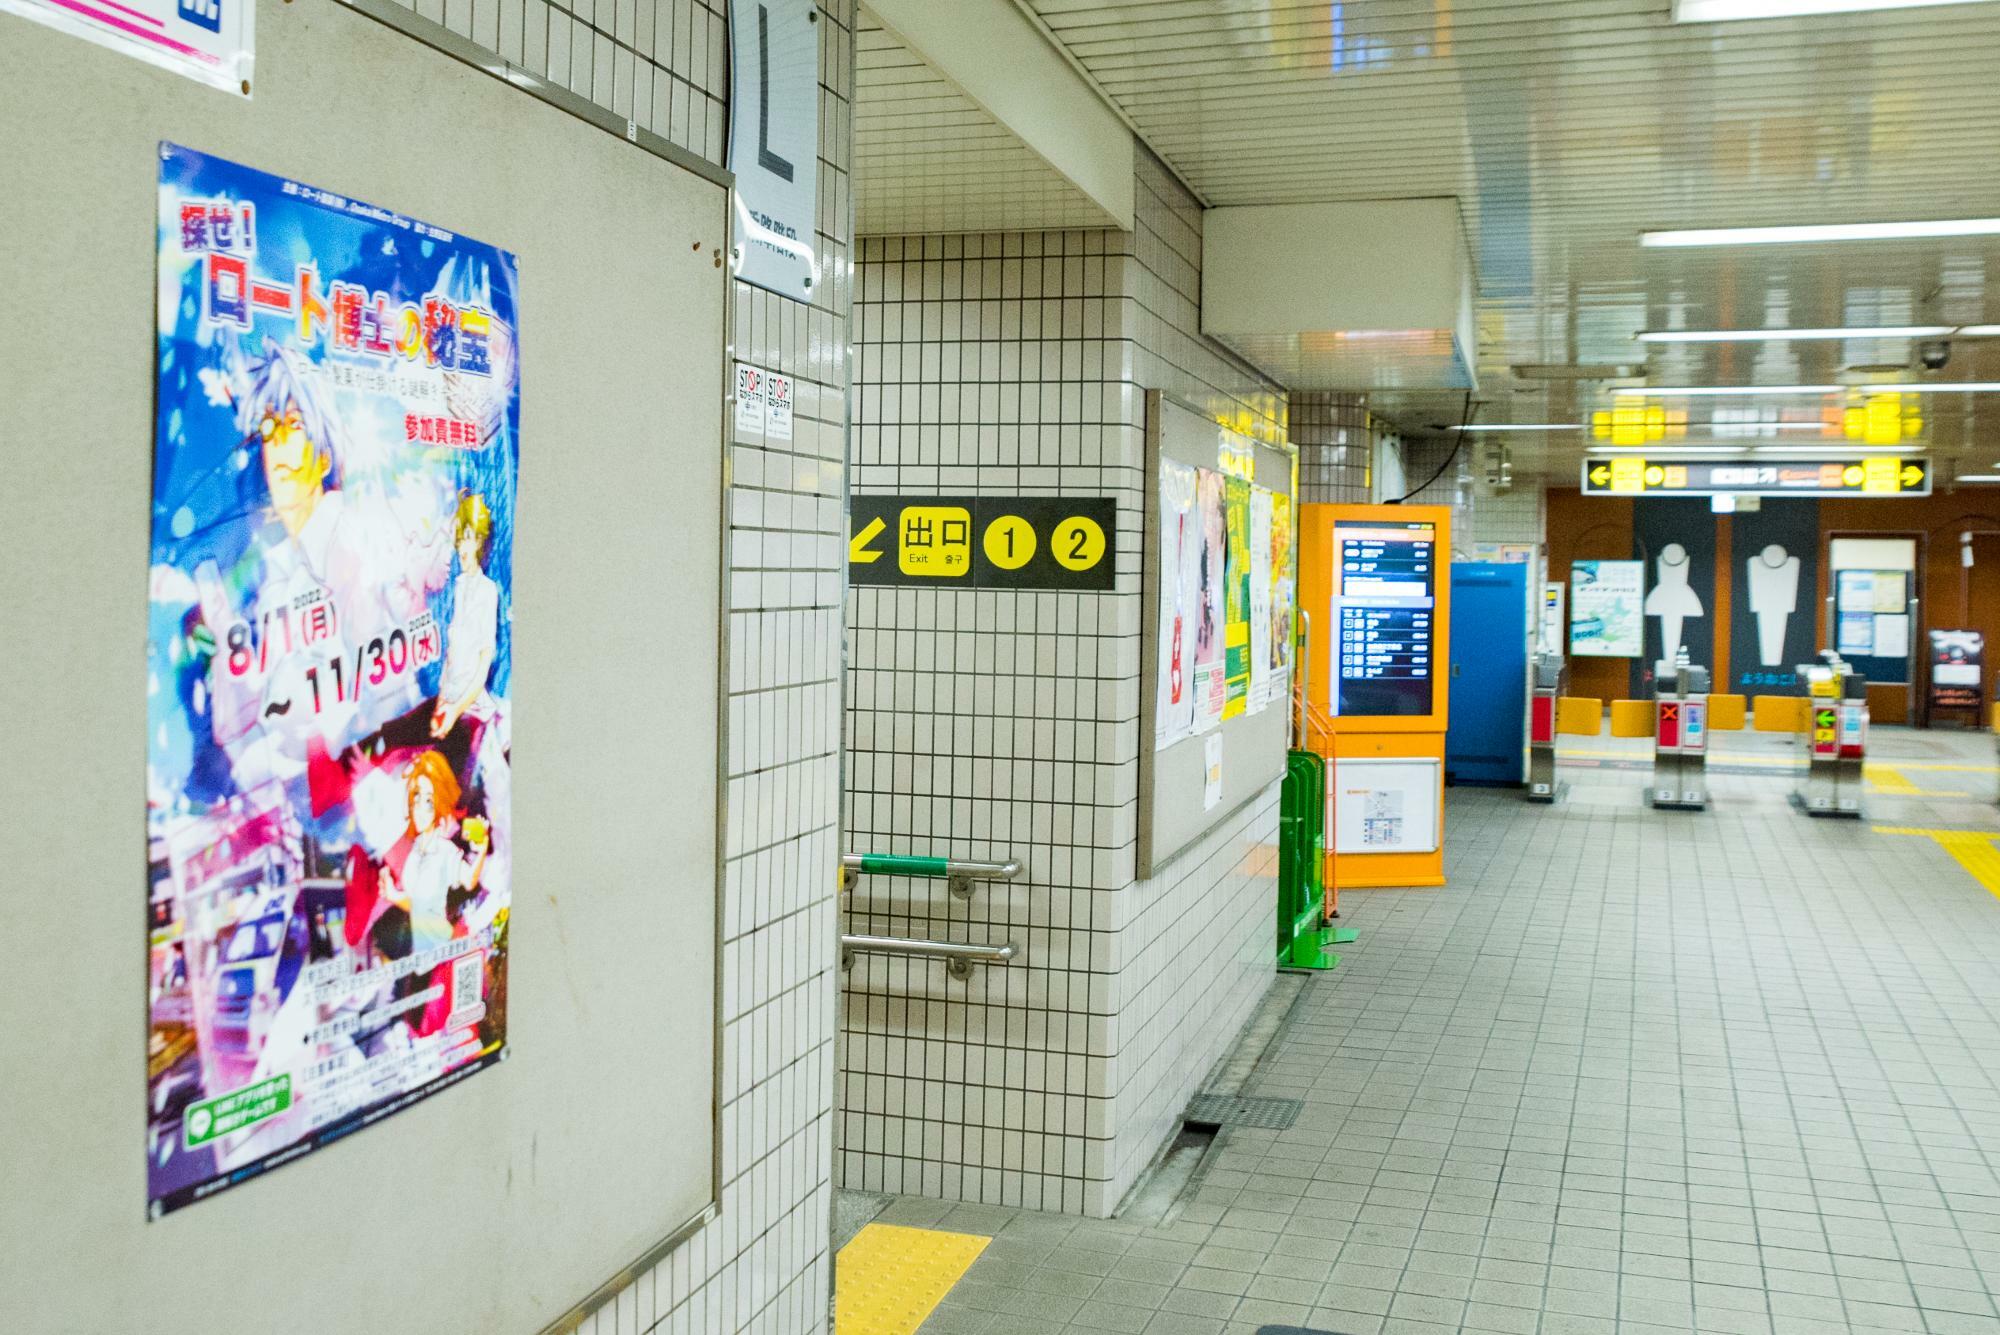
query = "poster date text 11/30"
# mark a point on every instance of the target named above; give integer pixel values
(357, 322)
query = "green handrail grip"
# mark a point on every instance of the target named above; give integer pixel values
(904, 864)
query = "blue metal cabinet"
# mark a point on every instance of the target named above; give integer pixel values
(1486, 738)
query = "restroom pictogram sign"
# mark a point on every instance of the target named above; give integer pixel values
(988, 542)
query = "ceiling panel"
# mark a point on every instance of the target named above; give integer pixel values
(929, 159)
(1567, 127)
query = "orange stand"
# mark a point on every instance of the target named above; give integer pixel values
(1323, 592)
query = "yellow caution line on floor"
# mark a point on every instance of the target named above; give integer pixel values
(1973, 850)
(1889, 780)
(889, 1279)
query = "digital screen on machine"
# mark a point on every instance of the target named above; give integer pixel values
(1385, 597)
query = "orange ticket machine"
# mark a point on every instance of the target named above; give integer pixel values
(1376, 582)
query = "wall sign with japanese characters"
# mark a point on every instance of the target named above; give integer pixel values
(989, 542)
(329, 664)
(763, 405)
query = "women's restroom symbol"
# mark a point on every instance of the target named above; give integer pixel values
(1672, 599)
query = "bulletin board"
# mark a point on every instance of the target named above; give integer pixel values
(502, 1203)
(1190, 785)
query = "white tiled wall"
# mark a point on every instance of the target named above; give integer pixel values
(763, 1266)
(997, 724)
(1517, 515)
(662, 64)
(1334, 436)
(1439, 472)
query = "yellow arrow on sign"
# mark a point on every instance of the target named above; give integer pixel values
(1600, 475)
(1912, 475)
(857, 546)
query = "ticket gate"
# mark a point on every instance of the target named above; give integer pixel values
(1551, 680)
(1680, 737)
(1837, 724)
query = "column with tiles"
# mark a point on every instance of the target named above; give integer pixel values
(990, 724)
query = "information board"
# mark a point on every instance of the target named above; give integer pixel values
(436, 1219)
(1220, 602)
(1385, 599)
(1633, 475)
(1607, 616)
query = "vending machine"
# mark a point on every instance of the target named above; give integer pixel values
(1375, 581)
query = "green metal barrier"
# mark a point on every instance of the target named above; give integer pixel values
(1302, 932)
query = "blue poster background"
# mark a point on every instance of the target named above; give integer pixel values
(329, 668)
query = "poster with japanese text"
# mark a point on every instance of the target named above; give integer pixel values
(1180, 600)
(1260, 598)
(1606, 609)
(329, 662)
(1236, 623)
(1210, 686)
(1284, 596)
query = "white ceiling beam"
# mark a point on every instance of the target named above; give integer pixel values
(1005, 65)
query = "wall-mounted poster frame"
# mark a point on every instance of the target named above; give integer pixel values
(608, 1102)
(1208, 671)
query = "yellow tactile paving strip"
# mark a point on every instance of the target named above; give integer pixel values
(1890, 780)
(1973, 850)
(889, 1279)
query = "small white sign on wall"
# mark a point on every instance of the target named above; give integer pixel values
(777, 407)
(210, 41)
(774, 142)
(749, 400)
(763, 404)
(1211, 796)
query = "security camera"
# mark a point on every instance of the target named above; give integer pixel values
(1934, 353)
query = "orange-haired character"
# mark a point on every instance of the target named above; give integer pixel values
(434, 866)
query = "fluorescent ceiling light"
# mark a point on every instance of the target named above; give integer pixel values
(1977, 477)
(1718, 391)
(1833, 449)
(1523, 426)
(1727, 391)
(1726, 11)
(1794, 335)
(1819, 232)
(1651, 451)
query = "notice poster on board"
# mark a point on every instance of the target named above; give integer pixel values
(1260, 598)
(1958, 669)
(1284, 597)
(1607, 617)
(1180, 603)
(1210, 686)
(329, 653)
(1236, 584)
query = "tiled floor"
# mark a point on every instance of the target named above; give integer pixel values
(1729, 1071)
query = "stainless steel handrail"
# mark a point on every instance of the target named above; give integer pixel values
(959, 956)
(959, 873)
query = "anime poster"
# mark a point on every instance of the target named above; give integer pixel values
(1284, 596)
(329, 833)
(1180, 594)
(1260, 598)
(1236, 624)
(1210, 688)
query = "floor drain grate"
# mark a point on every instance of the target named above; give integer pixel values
(1229, 1110)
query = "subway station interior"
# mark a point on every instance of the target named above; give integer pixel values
(1185, 667)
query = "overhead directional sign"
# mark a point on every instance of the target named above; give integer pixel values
(987, 542)
(1629, 475)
